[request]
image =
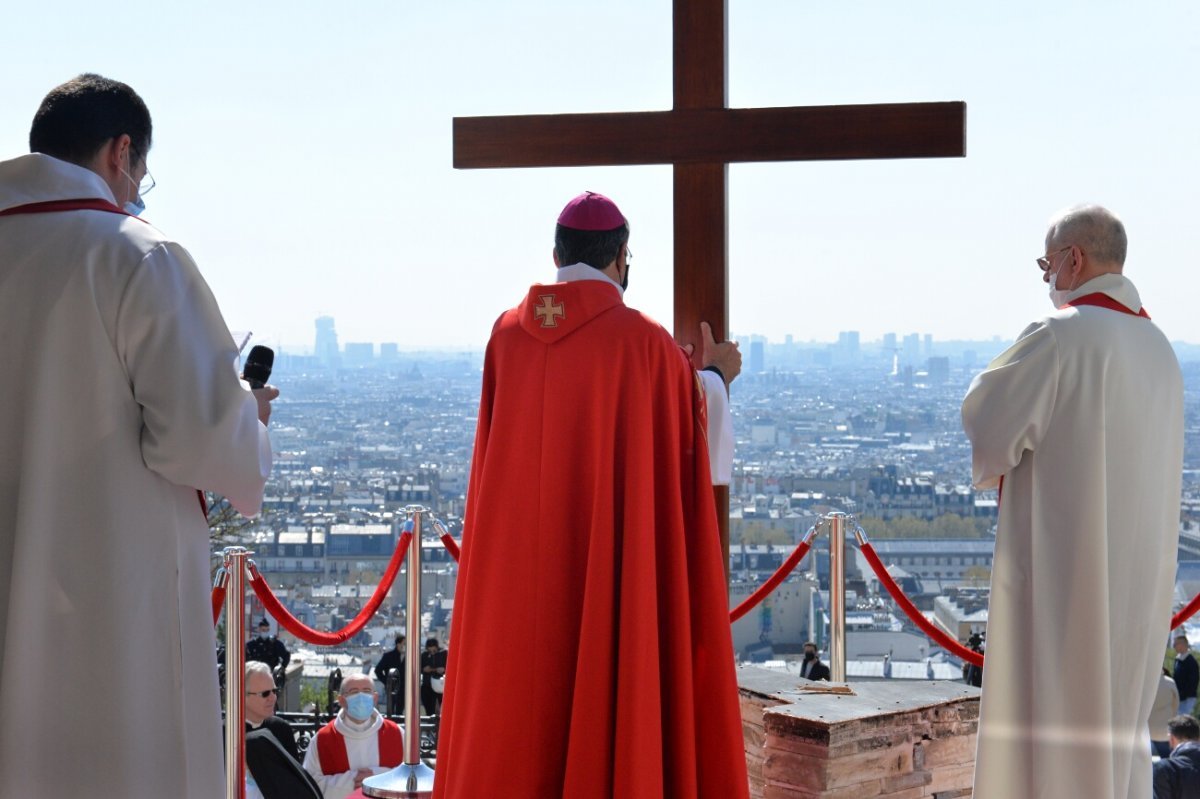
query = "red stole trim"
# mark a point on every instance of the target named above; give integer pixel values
(331, 748)
(1104, 301)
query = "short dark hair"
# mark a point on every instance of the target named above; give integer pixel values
(596, 248)
(1184, 728)
(399, 638)
(809, 643)
(76, 119)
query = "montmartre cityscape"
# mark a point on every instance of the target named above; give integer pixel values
(871, 429)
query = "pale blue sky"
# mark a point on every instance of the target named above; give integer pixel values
(303, 154)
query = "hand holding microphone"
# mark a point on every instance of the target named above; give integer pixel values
(256, 371)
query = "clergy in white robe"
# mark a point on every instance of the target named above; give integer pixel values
(120, 398)
(1082, 421)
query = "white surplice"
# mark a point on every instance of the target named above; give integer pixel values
(119, 399)
(1083, 418)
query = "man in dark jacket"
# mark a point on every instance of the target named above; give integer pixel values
(1187, 674)
(393, 659)
(1178, 776)
(813, 668)
(433, 664)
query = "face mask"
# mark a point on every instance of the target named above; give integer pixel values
(625, 280)
(1058, 296)
(810, 655)
(359, 706)
(136, 206)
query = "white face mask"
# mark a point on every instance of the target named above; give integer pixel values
(1059, 296)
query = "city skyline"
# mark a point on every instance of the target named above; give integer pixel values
(303, 156)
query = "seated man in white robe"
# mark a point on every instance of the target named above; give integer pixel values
(357, 744)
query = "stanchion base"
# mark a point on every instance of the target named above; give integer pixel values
(402, 782)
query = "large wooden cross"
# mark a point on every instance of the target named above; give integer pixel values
(700, 137)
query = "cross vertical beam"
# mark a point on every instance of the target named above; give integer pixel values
(701, 194)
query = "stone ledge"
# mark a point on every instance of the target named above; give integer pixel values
(889, 739)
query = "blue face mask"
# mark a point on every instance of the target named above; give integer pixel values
(359, 706)
(135, 207)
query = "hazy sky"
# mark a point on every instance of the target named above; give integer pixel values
(303, 154)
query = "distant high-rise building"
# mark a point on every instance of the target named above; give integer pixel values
(389, 352)
(359, 353)
(847, 347)
(757, 355)
(889, 344)
(911, 351)
(326, 349)
(939, 370)
(928, 345)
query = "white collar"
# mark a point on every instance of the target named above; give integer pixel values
(37, 178)
(574, 272)
(1115, 285)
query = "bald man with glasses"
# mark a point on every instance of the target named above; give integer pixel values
(1079, 424)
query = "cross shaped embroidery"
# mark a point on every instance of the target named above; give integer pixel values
(548, 310)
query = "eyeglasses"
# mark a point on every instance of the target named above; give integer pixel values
(1044, 262)
(628, 253)
(263, 694)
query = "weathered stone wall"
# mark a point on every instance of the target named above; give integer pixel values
(889, 739)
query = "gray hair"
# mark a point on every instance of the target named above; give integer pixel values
(1094, 229)
(255, 667)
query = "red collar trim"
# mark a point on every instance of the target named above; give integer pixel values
(1105, 301)
(53, 206)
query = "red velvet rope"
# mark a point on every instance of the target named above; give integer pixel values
(930, 629)
(306, 633)
(218, 602)
(450, 545)
(1188, 611)
(772, 583)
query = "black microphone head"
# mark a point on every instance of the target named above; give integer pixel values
(257, 369)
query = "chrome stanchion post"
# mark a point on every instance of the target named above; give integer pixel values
(235, 670)
(412, 778)
(837, 596)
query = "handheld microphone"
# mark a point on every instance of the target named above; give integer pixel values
(257, 369)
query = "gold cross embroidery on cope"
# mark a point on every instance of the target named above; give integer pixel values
(548, 311)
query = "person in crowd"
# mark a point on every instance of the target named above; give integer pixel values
(121, 400)
(433, 665)
(266, 648)
(393, 659)
(1079, 424)
(813, 668)
(1187, 674)
(272, 761)
(1166, 705)
(973, 673)
(356, 744)
(607, 651)
(261, 695)
(1178, 776)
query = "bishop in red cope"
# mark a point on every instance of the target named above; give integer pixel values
(592, 654)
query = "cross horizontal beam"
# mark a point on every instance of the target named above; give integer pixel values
(719, 135)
